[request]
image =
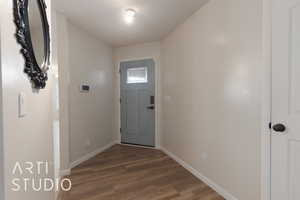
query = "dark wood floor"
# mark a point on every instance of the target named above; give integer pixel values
(132, 173)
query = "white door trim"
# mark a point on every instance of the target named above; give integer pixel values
(157, 97)
(2, 175)
(266, 99)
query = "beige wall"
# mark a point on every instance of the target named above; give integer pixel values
(29, 138)
(136, 52)
(91, 114)
(211, 94)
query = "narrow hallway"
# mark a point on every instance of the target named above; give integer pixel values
(150, 100)
(126, 172)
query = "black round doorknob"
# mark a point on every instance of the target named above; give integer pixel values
(279, 128)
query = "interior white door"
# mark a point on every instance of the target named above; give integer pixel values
(285, 144)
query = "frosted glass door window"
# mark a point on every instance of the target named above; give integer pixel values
(137, 75)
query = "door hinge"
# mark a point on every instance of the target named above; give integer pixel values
(270, 125)
(120, 71)
(120, 130)
(120, 100)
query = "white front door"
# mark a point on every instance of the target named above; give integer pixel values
(285, 144)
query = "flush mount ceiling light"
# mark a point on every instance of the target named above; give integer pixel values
(129, 16)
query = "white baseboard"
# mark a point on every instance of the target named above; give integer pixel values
(138, 146)
(221, 191)
(91, 155)
(65, 172)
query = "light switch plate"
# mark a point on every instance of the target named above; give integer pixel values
(22, 105)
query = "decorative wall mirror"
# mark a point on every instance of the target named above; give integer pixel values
(34, 37)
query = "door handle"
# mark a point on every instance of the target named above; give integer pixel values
(279, 127)
(151, 107)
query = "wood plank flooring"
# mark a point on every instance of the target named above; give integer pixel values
(133, 173)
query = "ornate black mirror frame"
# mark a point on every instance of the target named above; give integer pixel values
(37, 74)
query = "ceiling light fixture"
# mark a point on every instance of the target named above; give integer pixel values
(129, 16)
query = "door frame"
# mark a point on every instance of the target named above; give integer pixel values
(266, 99)
(157, 98)
(2, 164)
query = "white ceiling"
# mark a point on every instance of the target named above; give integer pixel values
(104, 18)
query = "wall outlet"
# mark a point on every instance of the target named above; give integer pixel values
(167, 98)
(88, 143)
(204, 156)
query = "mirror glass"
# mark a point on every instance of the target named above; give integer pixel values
(36, 31)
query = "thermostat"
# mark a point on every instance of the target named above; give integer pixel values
(84, 88)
